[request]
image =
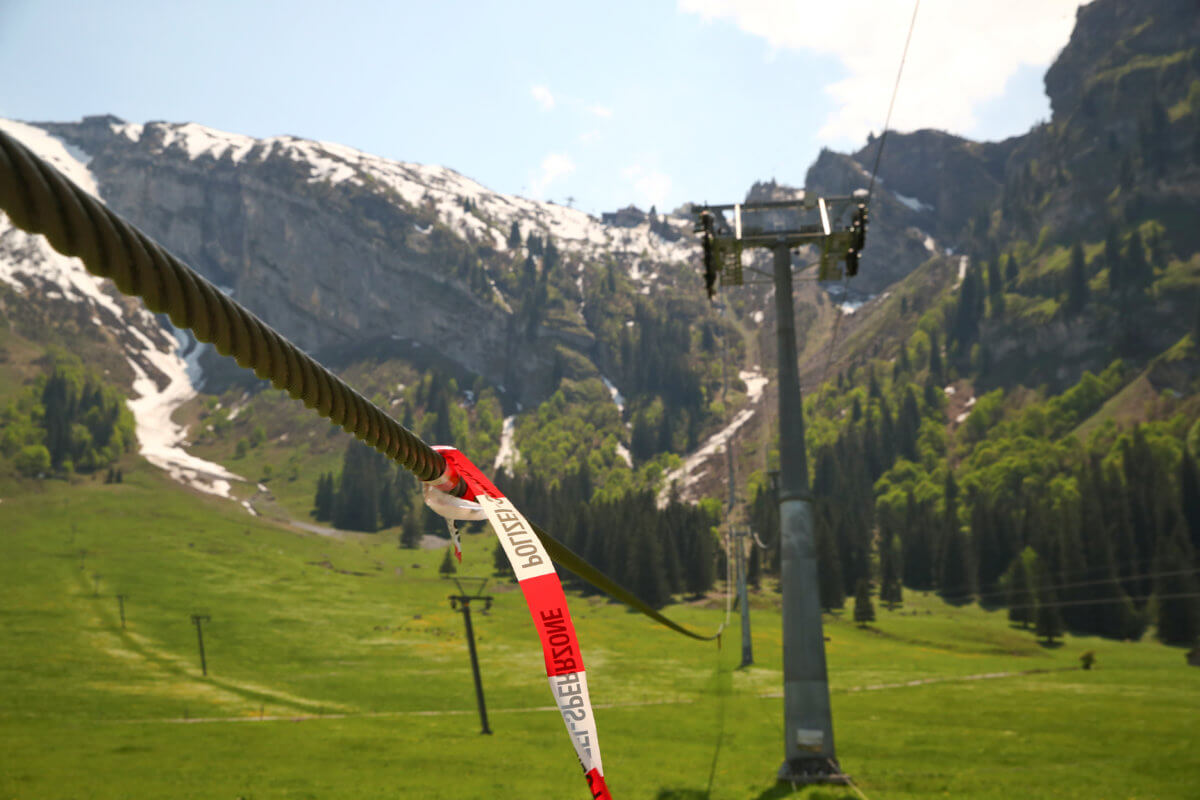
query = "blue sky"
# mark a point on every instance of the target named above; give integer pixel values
(606, 103)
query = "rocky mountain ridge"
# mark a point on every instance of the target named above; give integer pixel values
(347, 253)
(337, 248)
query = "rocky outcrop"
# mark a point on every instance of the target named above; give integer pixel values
(335, 266)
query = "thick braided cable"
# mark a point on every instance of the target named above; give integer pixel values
(39, 199)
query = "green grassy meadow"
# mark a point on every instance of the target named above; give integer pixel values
(337, 669)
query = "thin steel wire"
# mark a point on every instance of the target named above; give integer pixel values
(895, 90)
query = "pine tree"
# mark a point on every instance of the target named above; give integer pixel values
(956, 583)
(644, 562)
(968, 311)
(447, 566)
(1189, 498)
(500, 565)
(1012, 269)
(550, 258)
(908, 426)
(1178, 605)
(754, 570)
(935, 359)
(698, 567)
(917, 544)
(1049, 620)
(413, 527)
(1138, 268)
(514, 236)
(995, 285)
(829, 568)
(890, 557)
(1020, 597)
(864, 610)
(1113, 260)
(954, 579)
(323, 502)
(1077, 285)
(356, 501)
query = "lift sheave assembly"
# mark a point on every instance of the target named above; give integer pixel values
(837, 226)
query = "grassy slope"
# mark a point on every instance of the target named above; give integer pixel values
(87, 710)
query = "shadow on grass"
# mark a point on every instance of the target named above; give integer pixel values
(1050, 645)
(781, 790)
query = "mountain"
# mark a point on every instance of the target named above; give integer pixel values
(560, 340)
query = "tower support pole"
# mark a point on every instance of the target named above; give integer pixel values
(809, 755)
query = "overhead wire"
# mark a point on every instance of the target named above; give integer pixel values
(874, 171)
(1107, 600)
(728, 443)
(1115, 579)
(892, 104)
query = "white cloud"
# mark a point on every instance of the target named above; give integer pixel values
(589, 137)
(961, 55)
(650, 186)
(543, 96)
(554, 166)
(604, 112)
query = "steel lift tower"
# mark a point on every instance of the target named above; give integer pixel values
(836, 226)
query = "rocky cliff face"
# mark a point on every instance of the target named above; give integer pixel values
(1124, 140)
(904, 217)
(340, 250)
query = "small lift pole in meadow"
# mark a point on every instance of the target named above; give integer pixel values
(781, 226)
(198, 620)
(735, 543)
(462, 602)
(121, 606)
(739, 544)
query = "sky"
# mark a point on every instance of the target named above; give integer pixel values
(596, 105)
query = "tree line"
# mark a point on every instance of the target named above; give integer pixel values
(656, 553)
(67, 421)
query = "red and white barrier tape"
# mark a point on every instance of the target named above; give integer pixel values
(543, 594)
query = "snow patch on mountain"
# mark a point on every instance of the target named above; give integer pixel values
(692, 469)
(963, 263)
(617, 398)
(507, 455)
(160, 439)
(912, 202)
(755, 383)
